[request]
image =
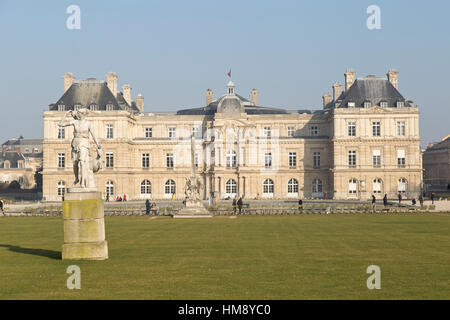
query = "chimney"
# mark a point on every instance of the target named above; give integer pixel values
(68, 81)
(349, 79)
(111, 79)
(127, 93)
(393, 78)
(337, 89)
(326, 100)
(255, 97)
(140, 102)
(209, 96)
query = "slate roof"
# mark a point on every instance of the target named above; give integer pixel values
(444, 144)
(13, 158)
(92, 91)
(371, 89)
(211, 109)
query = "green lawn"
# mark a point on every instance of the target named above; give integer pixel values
(263, 257)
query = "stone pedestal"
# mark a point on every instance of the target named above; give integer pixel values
(84, 226)
(193, 209)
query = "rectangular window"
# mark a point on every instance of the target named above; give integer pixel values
(376, 158)
(109, 159)
(352, 158)
(169, 160)
(148, 132)
(290, 131)
(351, 129)
(314, 130)
(61, 160)
(109, 107)
(401, 158)
(109, 131)
(61, 107)
(383, 104)
(196, 132)
(61, 133)
(267, 132)
(376, 128)
(268, 159)
(401, 128)
(146, 160)
(292, 159)
(316, 159)
(172, 133)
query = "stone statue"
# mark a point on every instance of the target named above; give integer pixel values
(83, 166)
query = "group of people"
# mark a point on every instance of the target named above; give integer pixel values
(118, 198)
(150, 206)
(400, 198)
(237, 204)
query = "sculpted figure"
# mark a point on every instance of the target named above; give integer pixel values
(83, 166)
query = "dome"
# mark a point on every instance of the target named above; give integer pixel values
(231, 105)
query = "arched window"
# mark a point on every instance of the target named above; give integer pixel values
(146, 187)
(231, 188)
(61, 188)
(317, 186)
(109, 188)
(268, 187)
(292, 186)
(169, 187)
(377, 185)
(352, 186)
(231, 159)
(402, 185)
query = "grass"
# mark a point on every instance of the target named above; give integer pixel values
(263, 257)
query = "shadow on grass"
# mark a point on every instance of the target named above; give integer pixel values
(36, 252)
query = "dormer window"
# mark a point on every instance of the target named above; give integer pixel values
(367, 104)
(77, 107)
(109, 107)
(400, 104)
(383, 104)
(93, 107)
(61, 107)
(351, 104)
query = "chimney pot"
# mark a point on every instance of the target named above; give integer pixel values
(393, 78)
(127, 93)
(326, 100)
(111, 79)
(337, 89)
(140, 102)
(69, 79)
(349, 79)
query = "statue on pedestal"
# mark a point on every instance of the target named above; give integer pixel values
(83, 167)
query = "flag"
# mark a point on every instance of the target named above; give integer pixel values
(229, 73)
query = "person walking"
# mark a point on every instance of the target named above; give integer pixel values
(173, 196)
(234, 205)
(124, 197)
(147, 206)
(385, 201)
(399, 198)
(374, 200)
(2, 205)
(239, 203)
(413, 201)
(107, 197)
(432, 198)
(421, 200)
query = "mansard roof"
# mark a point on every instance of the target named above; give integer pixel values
(443, 144)
(91, 91)
(371, 89)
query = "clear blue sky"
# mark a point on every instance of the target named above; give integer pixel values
(172, 51)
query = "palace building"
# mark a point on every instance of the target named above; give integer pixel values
(363, 141)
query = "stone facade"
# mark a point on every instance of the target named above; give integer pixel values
(436, 164)
(247, 150)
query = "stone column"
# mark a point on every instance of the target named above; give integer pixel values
(84, 226)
